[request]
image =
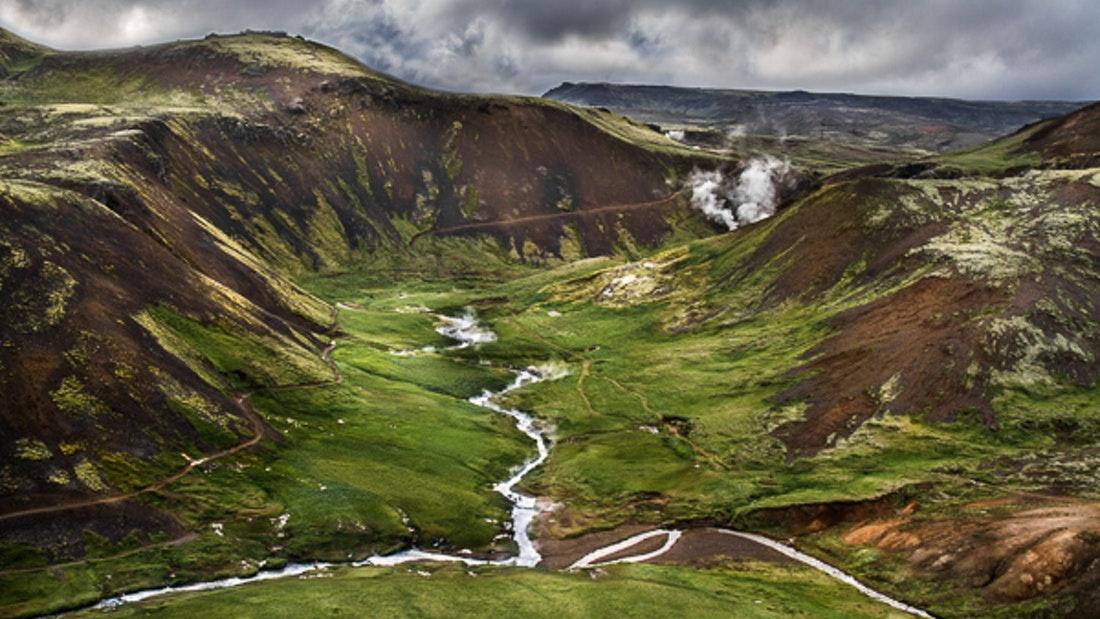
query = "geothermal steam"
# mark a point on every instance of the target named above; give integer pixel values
(752, 197)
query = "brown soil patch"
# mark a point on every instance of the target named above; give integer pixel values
(68, 536)
(561, 553)
(698, 547)
(708, 547)
(922, 335)
(815, 517)
(1072, 140)
(647, 545)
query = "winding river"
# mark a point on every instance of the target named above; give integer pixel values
(466, 331)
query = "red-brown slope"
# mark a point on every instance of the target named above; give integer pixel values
(1070, 141)
(932, 327)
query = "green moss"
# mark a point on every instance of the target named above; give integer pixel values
(290, 295)
(211, 421)
(59, 477)
(10, 147)
(571, 245)
(276, 51)
(32, 450)
(88, 475)
(327, 236)
(123, 371)
(450, 159)
(72, 397)
(235, 193)
(245, 357)
(62, 287)
(88, 345)
(470, 203)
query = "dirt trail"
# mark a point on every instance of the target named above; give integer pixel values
(549, 216)
(243, 402)
(179, 541)
(639, 548)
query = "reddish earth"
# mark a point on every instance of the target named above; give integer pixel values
(927, 339)
(1010, 549)
(922, 335)
(1072, 140)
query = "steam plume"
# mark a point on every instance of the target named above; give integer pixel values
(754, 195)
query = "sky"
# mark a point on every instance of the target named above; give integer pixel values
(984, 49)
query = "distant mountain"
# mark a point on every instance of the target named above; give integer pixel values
(925, 123)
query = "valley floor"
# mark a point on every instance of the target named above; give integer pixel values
(651, 426)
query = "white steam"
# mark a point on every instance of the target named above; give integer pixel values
(706, 189)
(752, 197)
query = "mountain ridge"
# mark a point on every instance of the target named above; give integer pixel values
(928, 123)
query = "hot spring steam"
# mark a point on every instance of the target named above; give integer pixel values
(751, 197)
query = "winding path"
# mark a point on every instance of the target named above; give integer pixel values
(477, 225)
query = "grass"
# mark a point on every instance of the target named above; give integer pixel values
(750, 591)
(10, 147)
(994, 158)
(393, 447)
(630, 376)
(246, 360)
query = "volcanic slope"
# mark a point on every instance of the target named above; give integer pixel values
(159, 201)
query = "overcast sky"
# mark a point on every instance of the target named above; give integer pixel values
(998, 49)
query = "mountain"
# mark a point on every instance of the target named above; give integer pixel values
(264, 306)
(924, 123)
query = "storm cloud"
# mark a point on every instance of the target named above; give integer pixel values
(990, 49)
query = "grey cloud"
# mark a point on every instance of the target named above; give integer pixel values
(976, 49)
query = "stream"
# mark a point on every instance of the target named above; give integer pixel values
(466, 331)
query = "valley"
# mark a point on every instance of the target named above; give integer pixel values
(267, 310)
